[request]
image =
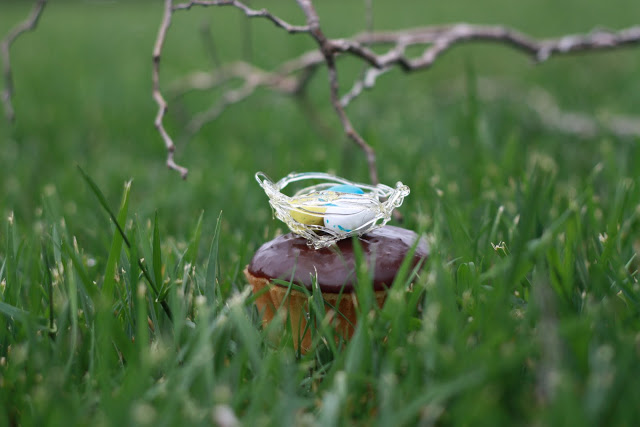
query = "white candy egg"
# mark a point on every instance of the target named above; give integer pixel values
(344, 218)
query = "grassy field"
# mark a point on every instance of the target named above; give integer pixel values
(527, 311)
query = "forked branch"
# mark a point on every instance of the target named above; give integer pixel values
(292, 76)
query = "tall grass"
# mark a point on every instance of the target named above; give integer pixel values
(526, 312)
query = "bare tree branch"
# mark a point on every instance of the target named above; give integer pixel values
(27, 25)
(292, 76)
(441, 39)
(328, 48)
(169, 9)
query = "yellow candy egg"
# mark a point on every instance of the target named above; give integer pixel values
(306, 213)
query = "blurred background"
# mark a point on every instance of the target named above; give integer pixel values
(524, 178)
(469, 125)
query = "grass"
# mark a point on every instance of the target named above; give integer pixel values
(527, 311)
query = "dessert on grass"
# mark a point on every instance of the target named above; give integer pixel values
(325, 219)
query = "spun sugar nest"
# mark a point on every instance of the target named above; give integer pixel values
(332, 209)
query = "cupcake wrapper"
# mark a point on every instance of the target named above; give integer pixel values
(297, 308)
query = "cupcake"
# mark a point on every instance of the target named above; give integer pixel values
(290, 258)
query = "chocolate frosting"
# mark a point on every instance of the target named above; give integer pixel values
(289, 256)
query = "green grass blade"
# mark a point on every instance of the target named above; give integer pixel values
(73, 307)
(11, 311)
(194, 243)
(87, 284)
(49, 281)
(103, 202)
(364, 275)
(157, 254)
(439, 393)
(22, 316)
(108, 285)
(134, 259)
(212, 264)
(11, 276)
(105, 205)
(404, 275)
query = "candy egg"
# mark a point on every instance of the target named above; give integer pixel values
(344, 219)
(306, 213)
(311, 215)
(345, 188)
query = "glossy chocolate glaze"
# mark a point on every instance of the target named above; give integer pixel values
(290, 255)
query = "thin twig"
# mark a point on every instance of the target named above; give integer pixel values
(281, 79)
(230, 97)
(367, 81)
(251, 13)
(157, 95)
(253, 77)
(27, 25)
